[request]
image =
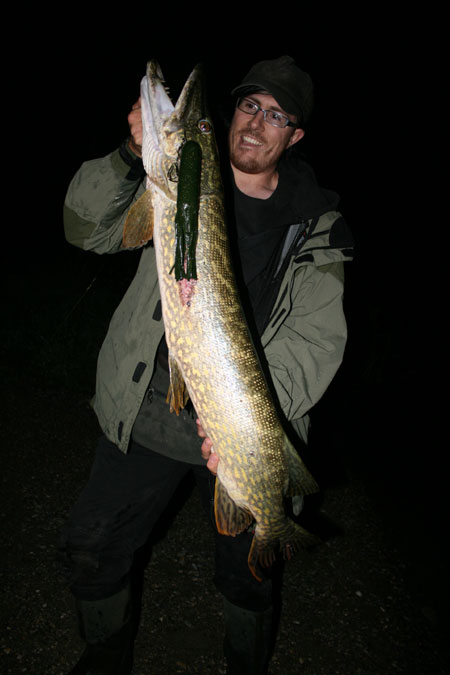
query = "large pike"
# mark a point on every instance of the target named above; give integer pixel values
(210, 349)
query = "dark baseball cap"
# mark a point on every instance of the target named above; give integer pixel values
(291, 87)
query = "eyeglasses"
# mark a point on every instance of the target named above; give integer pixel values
(273, 117)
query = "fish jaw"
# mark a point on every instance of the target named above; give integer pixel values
(166, 127)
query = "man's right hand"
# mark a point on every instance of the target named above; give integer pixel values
(135, 124)
(207, 450)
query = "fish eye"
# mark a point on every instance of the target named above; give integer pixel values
(205, 126)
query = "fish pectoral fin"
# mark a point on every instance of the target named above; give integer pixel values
(300, 480)
(231, 519)
(138, 228)
(178, 395)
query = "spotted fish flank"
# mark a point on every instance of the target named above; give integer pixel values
(211, 355)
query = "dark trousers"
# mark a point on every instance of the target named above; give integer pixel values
(116, 512)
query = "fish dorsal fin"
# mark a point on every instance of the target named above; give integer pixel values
(231, 519)
(300, 480)
(178, 395)
(138, 228)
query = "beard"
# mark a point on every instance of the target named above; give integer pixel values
(246, 164)
(244, 161)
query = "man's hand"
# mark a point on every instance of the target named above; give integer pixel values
(135, 124)
(207, 450)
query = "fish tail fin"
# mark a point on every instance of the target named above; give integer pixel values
(293, 537)
(301, 481)
(261, 555)
(290, 538)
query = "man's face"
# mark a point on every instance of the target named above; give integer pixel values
(254, 145)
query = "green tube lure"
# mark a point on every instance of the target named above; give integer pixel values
(186, 219)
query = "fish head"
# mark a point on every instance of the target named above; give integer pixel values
(167, 127)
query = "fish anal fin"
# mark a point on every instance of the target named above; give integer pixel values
(300, 480)
(178, 395)
(138, 227)
(231, 519)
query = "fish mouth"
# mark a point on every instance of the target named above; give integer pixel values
(166, 124)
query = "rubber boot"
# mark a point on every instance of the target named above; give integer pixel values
(106, 627)
(247, 641)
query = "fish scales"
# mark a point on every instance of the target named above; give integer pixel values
(210, 348)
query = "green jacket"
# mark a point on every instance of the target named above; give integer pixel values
(303, 341)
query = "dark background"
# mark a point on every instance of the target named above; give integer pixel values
(71, 82)
(69, 103)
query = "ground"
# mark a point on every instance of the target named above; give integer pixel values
(372, 599)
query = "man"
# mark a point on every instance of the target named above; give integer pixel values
(290, 243)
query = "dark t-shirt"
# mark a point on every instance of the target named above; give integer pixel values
(260, 229)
